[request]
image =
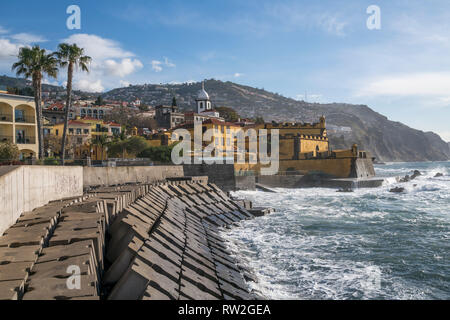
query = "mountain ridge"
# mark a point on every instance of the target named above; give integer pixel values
(346, 123)
(387, 140)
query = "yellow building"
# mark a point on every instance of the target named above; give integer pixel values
(82, 135)
(303, 148)
(18, 124)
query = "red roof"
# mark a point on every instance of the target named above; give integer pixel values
(112, 124)
(78, 123)
(58, 105)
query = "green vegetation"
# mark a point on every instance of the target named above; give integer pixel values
(99, 101)
(34, 63)
(160, 154)
(128, 147)
(229, 114)
(70, 56)
(27, 91)
(259, 120)
(9, 152)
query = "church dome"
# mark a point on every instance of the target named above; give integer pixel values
(202, 94)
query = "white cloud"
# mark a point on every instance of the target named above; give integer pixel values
(308, 97)
(168, 64)
(89, 86)
(8, 50)
(332, 24)
(445, 135)
(124, 83)
(110, 62)
(97, 47)
(122, 68)
(3, 30)
(28, 38)
(52, 82)
(156, 65)
(237, 75)
(415, 84)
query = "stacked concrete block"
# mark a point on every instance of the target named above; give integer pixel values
(151, 241)
(42, 255)
(170, 247)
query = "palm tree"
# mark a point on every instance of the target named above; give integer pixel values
(34, 63)
(101, 141)
(70, 56)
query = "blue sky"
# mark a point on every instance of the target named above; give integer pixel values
(323, 48)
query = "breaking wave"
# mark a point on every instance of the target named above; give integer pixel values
(369, 244)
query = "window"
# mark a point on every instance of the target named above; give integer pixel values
(86, 131)
(78, 131)
(19, 115)
(70, 130)
(20, 136)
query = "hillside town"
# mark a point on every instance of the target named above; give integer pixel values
(97, 127)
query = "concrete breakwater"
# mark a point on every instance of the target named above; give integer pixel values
(148, 241)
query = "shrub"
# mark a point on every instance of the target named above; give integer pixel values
(9, 152)
(160, 154)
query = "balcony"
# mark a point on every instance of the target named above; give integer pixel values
(6, 139)
(24, 119)
(5, 117)
(25, 140)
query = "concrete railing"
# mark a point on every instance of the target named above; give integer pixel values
(24, 188)
(109, 176)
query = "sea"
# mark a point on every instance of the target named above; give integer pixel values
(368, 244)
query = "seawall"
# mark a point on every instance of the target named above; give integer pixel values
(150, 242)
(24, 188)
(110, 176)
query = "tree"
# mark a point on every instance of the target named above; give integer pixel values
(70, 56)
(174, 101)
(132, 147)
(228, 114)
(34, 63)
(259, 120)
(12, 90)
(99, 101)
(53, 143)
(161, 153)
(102, 142)
(143, 107)
(9, 152)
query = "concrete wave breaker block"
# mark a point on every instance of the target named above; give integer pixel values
(58, 289)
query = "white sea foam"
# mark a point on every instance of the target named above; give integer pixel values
(369, 244)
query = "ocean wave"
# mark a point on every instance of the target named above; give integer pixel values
(320, 244)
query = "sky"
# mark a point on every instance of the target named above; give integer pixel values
(319, 50)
